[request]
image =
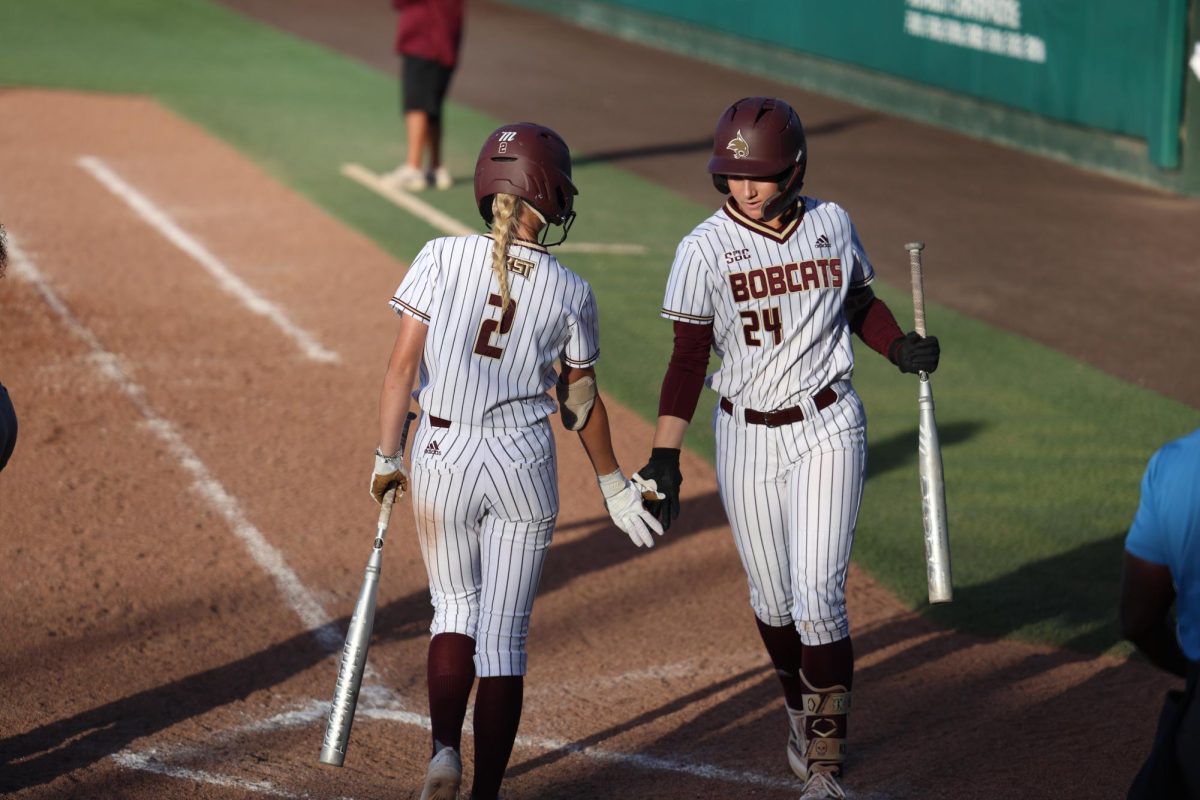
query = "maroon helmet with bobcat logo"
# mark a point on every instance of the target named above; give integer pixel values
(761, 137)
(532, 162)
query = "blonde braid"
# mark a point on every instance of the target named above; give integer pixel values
(504, 223)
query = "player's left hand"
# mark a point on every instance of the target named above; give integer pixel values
(916, 353)
(389, 472)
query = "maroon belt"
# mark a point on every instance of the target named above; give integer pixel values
(784, 416)
(438, 422)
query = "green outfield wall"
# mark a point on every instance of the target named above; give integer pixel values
(1102, 83)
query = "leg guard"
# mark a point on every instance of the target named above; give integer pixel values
(825, 712)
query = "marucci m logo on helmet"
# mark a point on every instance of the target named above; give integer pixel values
(739, 146)
(507, 136)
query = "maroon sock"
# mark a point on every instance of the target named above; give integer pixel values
(828, 665)
(786, 651)
(497, 714)
(450, 672)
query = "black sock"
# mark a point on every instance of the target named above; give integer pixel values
(787, 652)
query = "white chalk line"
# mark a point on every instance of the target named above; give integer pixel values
(150, 761)
(452, 227)
(225, 277)
(165, 761)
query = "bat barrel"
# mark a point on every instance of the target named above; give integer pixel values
(350, 671)
(933, 499)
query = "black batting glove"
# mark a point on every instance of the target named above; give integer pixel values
(659, 481)
(915, 353)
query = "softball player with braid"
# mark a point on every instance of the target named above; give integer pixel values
(483, 320)
(775, 282)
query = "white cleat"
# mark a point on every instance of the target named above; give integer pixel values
(440, 178)
(443, 777)
(822, 785)
(796, 746)
(408, 178)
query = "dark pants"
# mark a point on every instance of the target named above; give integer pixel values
(8, 427)
(423, 86)
(1172, 772)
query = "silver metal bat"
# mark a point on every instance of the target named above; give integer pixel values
(358, 637)
(929, 452)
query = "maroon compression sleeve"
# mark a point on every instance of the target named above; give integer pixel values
(685, 374)
(876, 326)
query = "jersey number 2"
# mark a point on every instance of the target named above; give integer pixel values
(483, 342)
(772, 323)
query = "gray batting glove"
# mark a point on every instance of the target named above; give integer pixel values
(389, 472)
(623, 499)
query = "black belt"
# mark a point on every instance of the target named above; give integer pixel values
(784, 416)
(438, 422)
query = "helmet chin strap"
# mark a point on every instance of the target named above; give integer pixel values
(778, 203)
(566, 228)
(772, 208)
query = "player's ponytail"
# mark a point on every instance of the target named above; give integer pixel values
(505, 208)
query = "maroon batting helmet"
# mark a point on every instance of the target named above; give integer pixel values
(761, 137)
(532, 162)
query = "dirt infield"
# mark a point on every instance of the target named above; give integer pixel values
(186, 513)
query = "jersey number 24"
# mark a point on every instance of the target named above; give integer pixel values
(771, 323)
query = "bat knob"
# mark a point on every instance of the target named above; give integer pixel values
(915, 246)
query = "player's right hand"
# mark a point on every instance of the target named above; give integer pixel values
(659, 481)
(916, 353)
(389, 472)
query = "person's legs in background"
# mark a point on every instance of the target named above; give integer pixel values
(424, 84)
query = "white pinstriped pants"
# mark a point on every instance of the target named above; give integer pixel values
(792, 496)
(485, 501)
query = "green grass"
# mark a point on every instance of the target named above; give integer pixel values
(1042, 454)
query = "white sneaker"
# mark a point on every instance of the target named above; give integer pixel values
(797, 748)
(822, 785)
(443, 776)
(408, 178)
(440, 178)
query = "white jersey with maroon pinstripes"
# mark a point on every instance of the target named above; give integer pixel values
(775, 299)
(484, 368)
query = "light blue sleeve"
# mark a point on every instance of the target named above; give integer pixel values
(1147, 538)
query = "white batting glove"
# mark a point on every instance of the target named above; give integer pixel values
(389, 472)
(623, 499)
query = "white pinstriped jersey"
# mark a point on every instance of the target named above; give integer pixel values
(775, 298)
(483, 368)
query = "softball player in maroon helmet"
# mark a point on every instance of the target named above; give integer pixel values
(483, 319)
(775, 282)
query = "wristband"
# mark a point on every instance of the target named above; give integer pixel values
(612, 483)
